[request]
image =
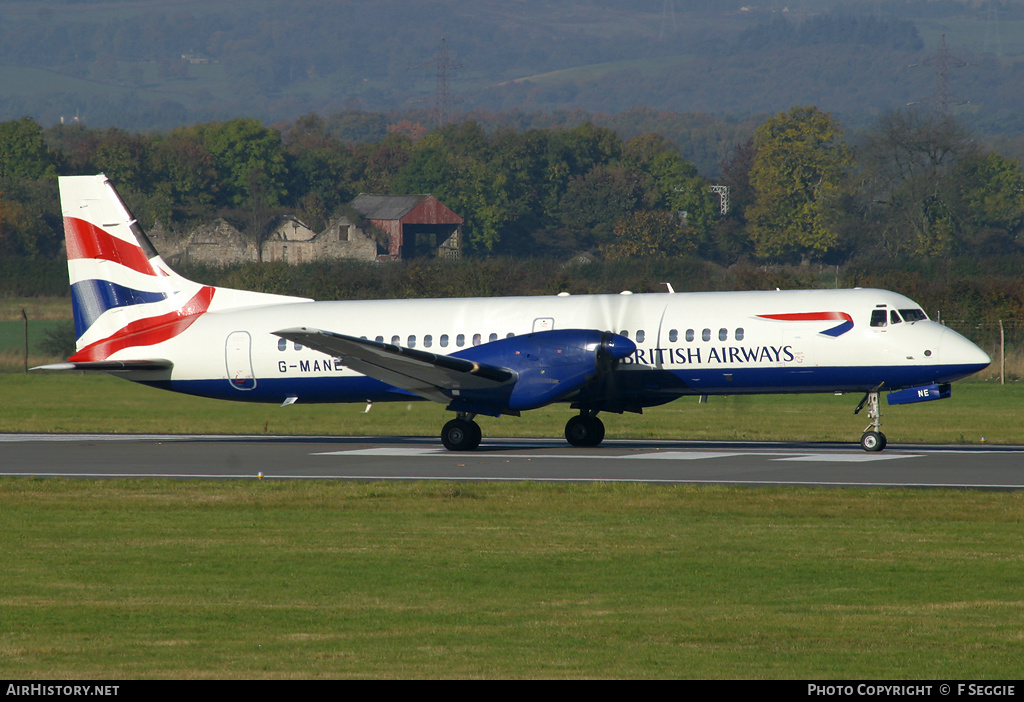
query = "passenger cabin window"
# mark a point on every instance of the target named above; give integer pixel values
(689, 335)
(476, 340)
(282, 344)
(460, 340)
(298, 347)
(878, 318)
(444, 341)
(379, 339)
(412, 341)
(673, 335)
(492, 337)
(396, 340)
(624, 333)
(428, 341)
(739, 334)
(723, 334)
(640, 336)
(706, 335)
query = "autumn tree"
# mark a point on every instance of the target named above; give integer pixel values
(992, 191)
(321, 169)
(452, 164)
(23, 150)
(241, 148)
(251, 168)
(910, 182)
(799, 164)
(650, 234)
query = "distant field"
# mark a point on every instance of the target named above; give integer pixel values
(35, 307)
(99, 403)
(45, 315)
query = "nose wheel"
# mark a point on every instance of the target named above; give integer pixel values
(873, 439)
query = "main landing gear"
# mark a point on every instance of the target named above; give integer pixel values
(585, 429)
(461, 433)
(873, 439)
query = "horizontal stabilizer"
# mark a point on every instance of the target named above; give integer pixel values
(157, 364)
(426, 374)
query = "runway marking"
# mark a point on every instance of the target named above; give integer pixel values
(392, 452)
(848, 457)
(654, 456)
(689, 455)
(60, 438)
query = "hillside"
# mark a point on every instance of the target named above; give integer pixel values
(121, 62)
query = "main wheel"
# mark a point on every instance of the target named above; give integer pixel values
(872, 441)
(461, 435)
(584, 430)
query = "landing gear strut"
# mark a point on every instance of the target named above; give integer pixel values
(585, 429)
(461, 433)
(873, 439)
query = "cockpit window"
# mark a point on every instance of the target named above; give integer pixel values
(915, 315)
(878, 318)
(894, 317)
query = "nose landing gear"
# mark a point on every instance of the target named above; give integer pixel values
(873, 439)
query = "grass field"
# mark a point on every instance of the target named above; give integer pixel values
(159, 579)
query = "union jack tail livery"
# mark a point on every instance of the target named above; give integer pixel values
(136, 317)
(124, 296)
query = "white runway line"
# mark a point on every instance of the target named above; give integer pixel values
(849, 457)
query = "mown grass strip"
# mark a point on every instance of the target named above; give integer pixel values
(98, 403)
(132, 579)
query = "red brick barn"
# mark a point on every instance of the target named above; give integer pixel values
(414, 225)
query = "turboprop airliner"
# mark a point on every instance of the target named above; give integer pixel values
(136, 318)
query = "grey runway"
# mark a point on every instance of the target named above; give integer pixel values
(98, 456)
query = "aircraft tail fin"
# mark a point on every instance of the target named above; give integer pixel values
(123, 293)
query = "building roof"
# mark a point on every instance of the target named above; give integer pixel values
(386, 206)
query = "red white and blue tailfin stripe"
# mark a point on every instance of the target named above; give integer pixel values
(123, 294)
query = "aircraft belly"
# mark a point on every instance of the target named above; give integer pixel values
(796, 379)
(355, 388)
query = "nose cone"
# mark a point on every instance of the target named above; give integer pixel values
(962, 354)
(618, 346)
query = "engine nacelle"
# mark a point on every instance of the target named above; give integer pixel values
(921, 393)
(551, 365)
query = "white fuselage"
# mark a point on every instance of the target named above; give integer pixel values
(687, 343)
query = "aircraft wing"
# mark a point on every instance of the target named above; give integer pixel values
(419, 372)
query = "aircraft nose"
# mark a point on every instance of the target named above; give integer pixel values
(955, 349)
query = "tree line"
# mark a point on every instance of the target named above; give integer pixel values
(916, 185)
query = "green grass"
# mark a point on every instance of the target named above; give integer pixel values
(160, 579)
(98, 403)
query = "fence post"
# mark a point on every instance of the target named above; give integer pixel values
(25, 319)
(1002, 355)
